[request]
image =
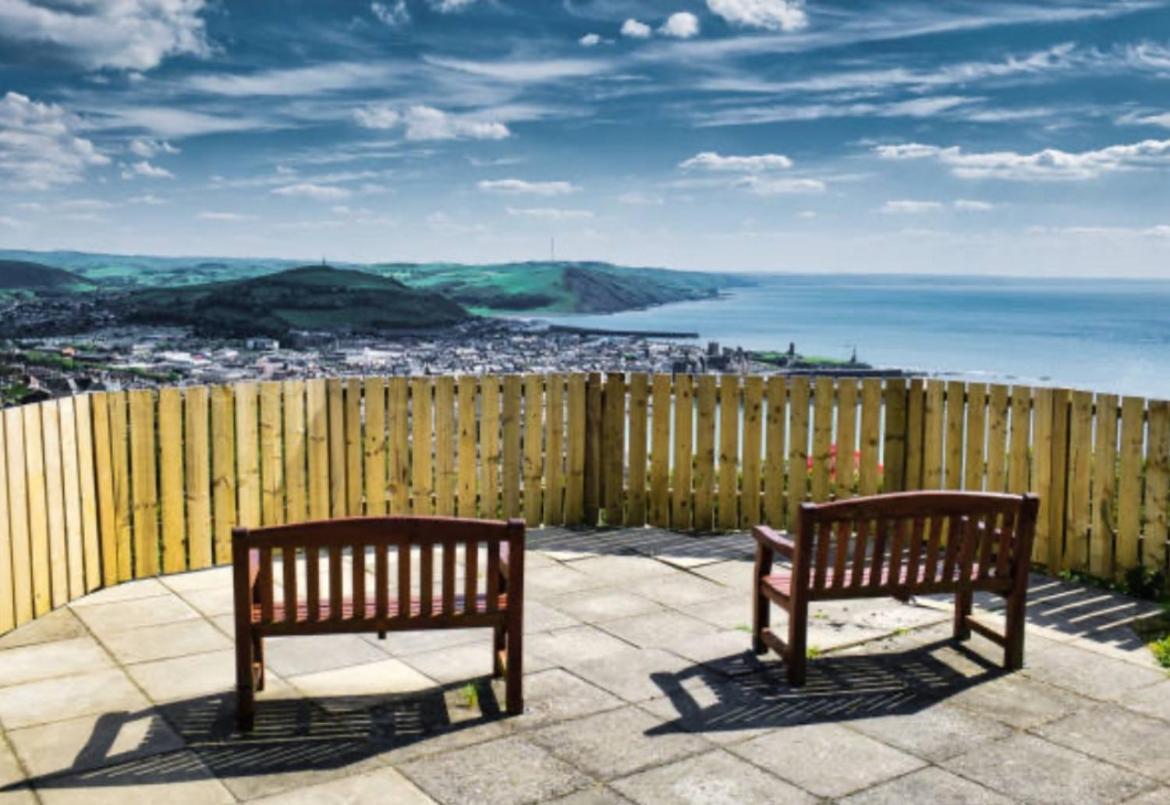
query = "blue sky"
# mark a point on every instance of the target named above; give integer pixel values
(1017, 137)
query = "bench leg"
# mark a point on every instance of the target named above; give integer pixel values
(258, 655)
(797, 658)
(514, 692)
(245, 696)
(761, 619)
(1013, 653)
(963, 601)
(499, 644)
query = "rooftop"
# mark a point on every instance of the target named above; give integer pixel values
(640, 687)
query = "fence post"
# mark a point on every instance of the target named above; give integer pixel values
(592, 488)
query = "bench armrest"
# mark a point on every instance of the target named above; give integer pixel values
(774, 541)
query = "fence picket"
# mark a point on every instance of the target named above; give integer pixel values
(660, 452)
(728, 451)
(1129, 484)
(681, 503)
(774, 458)
(639, 411)
(749, 501)
(705, 454)
(1103, 524)
(822, 438)
(197, 475)
(170, 470)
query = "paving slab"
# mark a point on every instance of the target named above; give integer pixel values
(616, 569)
(47, 660)
(566, 647)
(545, 582)
(60, 624)
(677, 590)
(1120, 736)
(126, 591)
(194, 675)
(1153, 700)
(385, 785)
(1088, 673)
(733, 573)
(1030, 769)
(295, 656)
(14, 788)
(556, 695)
(540, 617)
(603, 604)
(596, 795)
(714, 777)
(1018, 701)
(177, 779)
(931, 784)
(124, 615)
(68, 697)
(80, 744)
(658, 629)
(934, 733)
(388, 677)
(629, 672)
(147, 643)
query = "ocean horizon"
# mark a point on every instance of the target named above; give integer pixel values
(1104, 335)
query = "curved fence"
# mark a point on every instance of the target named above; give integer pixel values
(111, 486)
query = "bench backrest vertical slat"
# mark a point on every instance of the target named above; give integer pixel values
(449, 547)
(1003, 548)
(930, 560)
(954, 541)
(822, 540)
(359, 581)
(404, 560)
(289, 564)
(968, 544)
(313, 584)
(987, 534)
(470, 576)
(493, 576)
(860, 550)
(897, 558)
(426, 580)
(881, 539)
(381, 580)
(264, 585)
(844, 531)
(335, 582)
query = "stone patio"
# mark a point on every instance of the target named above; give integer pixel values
(639, 684)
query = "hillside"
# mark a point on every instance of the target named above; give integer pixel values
(22, 275)
(316, 298)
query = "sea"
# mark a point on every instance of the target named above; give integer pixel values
(1099, 334)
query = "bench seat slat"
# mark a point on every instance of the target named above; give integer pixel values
(781, 582)
(394, 612)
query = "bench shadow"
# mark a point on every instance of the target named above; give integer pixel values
(290, 736)
(738, 692)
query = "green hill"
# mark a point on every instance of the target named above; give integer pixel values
(23, 275)
(316, 298)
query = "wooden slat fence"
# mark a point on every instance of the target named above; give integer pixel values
(110, 486)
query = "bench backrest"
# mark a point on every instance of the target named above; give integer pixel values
(423, 568)
(915, 542)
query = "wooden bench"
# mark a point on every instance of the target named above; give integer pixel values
(899, 545)
(326, 589)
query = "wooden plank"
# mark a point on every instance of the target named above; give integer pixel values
(822, 437)
(123, 510)
(399, 469)
(659, 514)
(352, 396)
(54, 502)
(728, 493)
(374, 445)
(533, 448)
(223, 471)
(975, 457)
(247, 456)
(705, 454)
(1079, 514)
(104, 479)
(1060, 464)
(613, 448)
(445, 445)
(869, 476)
(591, 490)
(71, 489)
(1021, 440)
(510, 425)
(638, 427)
(915, 435)
(956, 394)
(1041, 476)
(774, 508)
(489, 447)
(750, 497)
(1157, 481)
(554, 451)
(317, 428)
(87, 473)
(144, 483)
(575, 458)
(894, 440)
(271, 455)
(997, 430)
(422, 484)
(468, 438)
(335, 403)
(17, 488)
(1104, 517)
(933, 419)
(7, 585)
(846, 440)
(197, 472)
(1129, 484)
(684, 413)
(798, 429)
(295, 451)
(170, 466)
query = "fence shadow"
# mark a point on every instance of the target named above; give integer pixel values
(290, 736)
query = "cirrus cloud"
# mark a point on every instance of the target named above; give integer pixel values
(909, 207)
(1047, 164)
(524, 187)
(428, 123)
(550, 213)
(311, 190)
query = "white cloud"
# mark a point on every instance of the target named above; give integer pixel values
(971, 205)
(147, 199)
(909, 207)
(165, 121)
(1162, 120)
(214, 215)
(317, 192)
(393, 15)
(39, 145)
(1050, 163)
(589, 40)
(311, 80)
(772, 186)
(771, 15)
(714, 161)
(550, 213)
(9, 222)
(636, 199)
(680, 25)
(806, 215)
(1113, 232)
(524, 72)
(451, 6)
(443, 224)
(146, 170)
(523, 187)
(121, 34)
(429, 123)
(85, 204)
(147, 148)
(634, 29)
(785, 112)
